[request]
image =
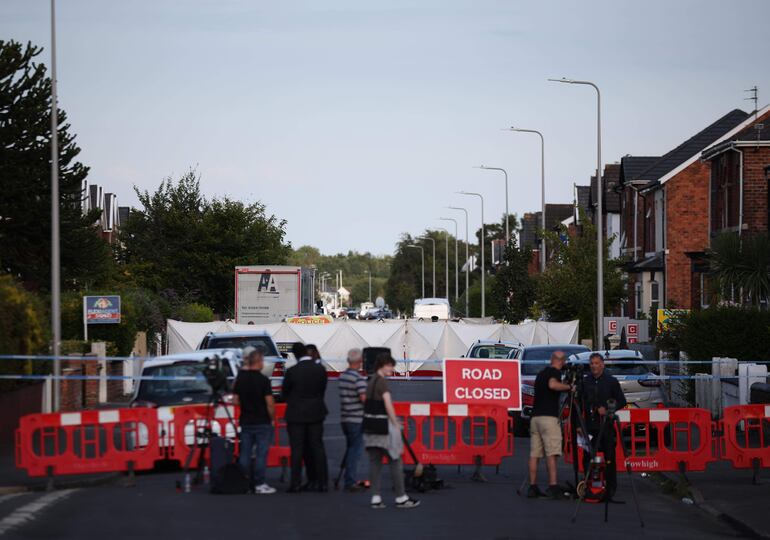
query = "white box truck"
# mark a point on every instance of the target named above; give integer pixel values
(265, 294)
(425, 309)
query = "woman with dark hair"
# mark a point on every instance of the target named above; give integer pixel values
(382, 435)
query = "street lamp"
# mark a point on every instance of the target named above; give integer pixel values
(599, 224)
(446, 259)
(457, 274)
(434, 260)
(466, 255)
(55, 245)
(542, 191)
(483, 237)
(369, 272)
(507, 226)
(422, 258)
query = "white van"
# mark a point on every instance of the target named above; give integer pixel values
(425, 309)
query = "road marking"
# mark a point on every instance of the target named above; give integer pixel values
(30, 511)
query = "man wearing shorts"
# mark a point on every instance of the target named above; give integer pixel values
(545, 430)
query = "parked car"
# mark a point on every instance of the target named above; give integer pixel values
(275, 363)
(494, 350)
(377, 314)
(626, 366)
(534, 359)
(167, 393)
(426, 309)
(352, 313)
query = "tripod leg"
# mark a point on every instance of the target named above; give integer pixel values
(629, 472)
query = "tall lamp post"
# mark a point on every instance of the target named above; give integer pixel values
(467, 266)
(55, 246)
(446, 259)
(434, 260)
(457, 274)
(542, 190)
(483, 264)
(369, 273)
(599, 214)
(422, 258)
(507, 226)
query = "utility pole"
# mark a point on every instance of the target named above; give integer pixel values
(55, 246)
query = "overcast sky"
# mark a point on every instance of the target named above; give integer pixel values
(358, 120)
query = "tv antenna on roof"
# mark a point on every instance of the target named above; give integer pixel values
(754, 97)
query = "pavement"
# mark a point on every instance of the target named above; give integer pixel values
(730, 495)
(465, 509)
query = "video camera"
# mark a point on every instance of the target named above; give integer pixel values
(572, 373)
(215, 373)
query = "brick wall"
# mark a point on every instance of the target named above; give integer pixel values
(687, 229)
(755, 188)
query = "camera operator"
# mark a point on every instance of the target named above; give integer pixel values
(545, 438)
(600, 387)
(253, 393)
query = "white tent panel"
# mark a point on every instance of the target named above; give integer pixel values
(556, 332)
(185, 336)
(524, 333)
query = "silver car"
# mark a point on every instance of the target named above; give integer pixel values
(629, 368)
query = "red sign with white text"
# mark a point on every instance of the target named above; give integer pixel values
(473, 380)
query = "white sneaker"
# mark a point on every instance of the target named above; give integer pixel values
(264, 489)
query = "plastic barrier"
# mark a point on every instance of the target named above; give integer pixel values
(88, 442)
(189, 419)
(660, 440)
(443, 434)
(746, 436)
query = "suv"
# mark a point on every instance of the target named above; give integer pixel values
(626, 366)
(275, 364)
(533, 360)
(493, 350)
(167, 393)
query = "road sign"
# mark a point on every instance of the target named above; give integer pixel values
(471, 381)
(632, 329)
(613, 326)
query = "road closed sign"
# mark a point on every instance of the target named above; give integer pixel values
(472, 381)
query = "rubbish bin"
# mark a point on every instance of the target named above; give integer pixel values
(760, 393)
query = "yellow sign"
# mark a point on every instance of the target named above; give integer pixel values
(311, 319)
(667, 316)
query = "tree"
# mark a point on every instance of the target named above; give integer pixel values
(513, 290)
(740, 267)
(183, 242)
(25, 182)
(567, 288)
(21, 328)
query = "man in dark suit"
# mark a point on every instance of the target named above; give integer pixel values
(304, 386)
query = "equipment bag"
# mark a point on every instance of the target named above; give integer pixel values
(227, 476)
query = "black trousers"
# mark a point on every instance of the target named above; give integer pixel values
(306, 442)
(606, 445)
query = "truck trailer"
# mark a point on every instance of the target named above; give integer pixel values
(266, 294)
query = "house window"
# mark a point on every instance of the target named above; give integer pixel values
(638, 300)
(654, 295)
(704, 297)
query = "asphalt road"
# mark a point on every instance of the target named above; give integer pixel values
(465, 509)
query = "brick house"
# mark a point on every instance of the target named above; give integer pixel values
(529, 235)
(610, 206)
(665, 220)
(740, 175)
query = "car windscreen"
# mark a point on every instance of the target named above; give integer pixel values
(626, 367)
(533, 361)
(168, 391)
(239, 342)
(496, 351)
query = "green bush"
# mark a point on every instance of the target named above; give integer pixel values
(22, 331)
(730, 332)
(194, 312)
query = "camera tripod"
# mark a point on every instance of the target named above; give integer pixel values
(611, 422)
(202, 435)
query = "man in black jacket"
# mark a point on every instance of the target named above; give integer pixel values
(304, 386)
(599, 387)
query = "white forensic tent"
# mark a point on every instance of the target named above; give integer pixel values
(407, 339)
